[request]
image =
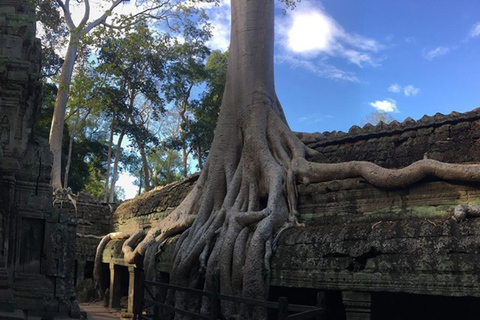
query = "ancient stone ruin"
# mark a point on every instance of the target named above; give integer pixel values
(37, 242)
(377, 253)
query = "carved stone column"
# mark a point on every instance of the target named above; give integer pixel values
(115, 289)
(131, 288)
(357, 305)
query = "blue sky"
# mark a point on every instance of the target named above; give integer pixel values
(336, 61)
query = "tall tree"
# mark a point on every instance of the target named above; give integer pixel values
(83, 110)
(185, 70)
(245, 194)
(135, 65)
(161, 10)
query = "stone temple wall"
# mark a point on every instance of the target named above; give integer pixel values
(37, 242)
(450, 138)
(142, 211)
(94, 221)
(361, 243)
(371, 243)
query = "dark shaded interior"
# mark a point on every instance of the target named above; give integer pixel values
(401, 306)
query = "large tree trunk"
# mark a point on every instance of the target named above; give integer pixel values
(58, 120)
(245, 195)
(241, 189)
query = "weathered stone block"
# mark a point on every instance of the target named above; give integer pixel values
(18, 75)
(11, 46)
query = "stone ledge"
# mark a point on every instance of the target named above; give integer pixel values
(437, 257)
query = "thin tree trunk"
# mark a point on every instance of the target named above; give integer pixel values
(58, 120)
(169, 176)
(145, 168)
(118, 153)
(184, 158)
(109, 159)
(181, 113)
(199, 155)
(140, 181)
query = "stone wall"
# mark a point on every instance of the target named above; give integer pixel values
(359, 240)
(94, 221)
(142, 211)
(37, 242)
(449, 138)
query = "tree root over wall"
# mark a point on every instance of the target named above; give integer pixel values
(245, 196)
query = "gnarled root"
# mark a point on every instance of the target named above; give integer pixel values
(98, 255)
(307, 172)
(462, 211)
(245, 199)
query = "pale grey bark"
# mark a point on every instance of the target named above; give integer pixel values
(58, 120)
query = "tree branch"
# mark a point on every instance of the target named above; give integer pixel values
(66, 12)
(102, 19)
(86, 15)
(142, 13)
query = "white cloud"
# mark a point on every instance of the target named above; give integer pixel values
(220, 19)
(309, 31)
(387, 105)
(475, 32)
(319, 68)
(360, 42)
(395, 88)
(437, 52)
(359, 58)
(410, 90)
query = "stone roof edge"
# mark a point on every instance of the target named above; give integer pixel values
(369, 131)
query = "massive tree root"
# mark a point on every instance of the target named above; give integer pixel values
(245, 196)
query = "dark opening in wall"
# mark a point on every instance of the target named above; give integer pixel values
(105, 277)
(400, 306)
(88, 271)
(124, 279)
(308, 296)
(31, 245)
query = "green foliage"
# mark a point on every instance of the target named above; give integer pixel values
(166, 165)
(290, 4)
(44, 120)
(206, 109)
(87, 171)
(134, 64)
(54, 35)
